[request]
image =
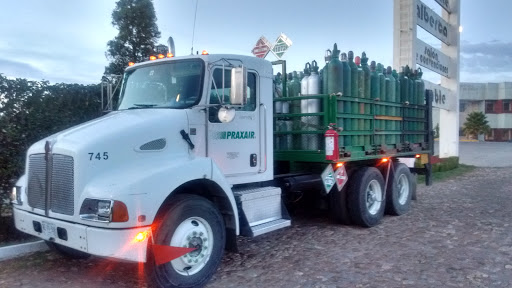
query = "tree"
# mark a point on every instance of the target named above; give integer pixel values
(138, 33)
(476, 123)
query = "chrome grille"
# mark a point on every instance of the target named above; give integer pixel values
(62, 188)
(36, 181)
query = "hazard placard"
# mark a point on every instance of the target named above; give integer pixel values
(341, 177)
(328, 178)
(261, 48)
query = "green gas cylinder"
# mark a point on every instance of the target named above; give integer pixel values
(323, 75)
(360, 77)
(412, 89)
(390, 85)
(289, 78)
(382, 81)
(397, 86)
(420, 89)
(354, 76)
(335, 73)
(404, 84)
(347, 76)
(374, 81)
(294, 85)
(366, 71)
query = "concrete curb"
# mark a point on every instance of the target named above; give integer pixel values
(18, 250)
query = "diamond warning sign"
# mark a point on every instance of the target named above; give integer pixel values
(261, 48)
(282, 44)
(341, 177)
(328, 178)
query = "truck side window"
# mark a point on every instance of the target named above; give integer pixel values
(218, 97)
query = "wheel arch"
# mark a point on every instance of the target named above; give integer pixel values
(212, 191)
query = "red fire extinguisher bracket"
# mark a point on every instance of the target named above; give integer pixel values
(331, 143)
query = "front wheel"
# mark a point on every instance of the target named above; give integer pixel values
(190, 221)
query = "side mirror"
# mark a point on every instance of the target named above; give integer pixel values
(226, 115)
(238, 92)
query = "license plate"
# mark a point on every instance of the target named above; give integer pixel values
(49, 230)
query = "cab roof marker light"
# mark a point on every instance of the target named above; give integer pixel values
(152, 57)
(204, 52)
(161, 56)
(131, 63)
(170, 55)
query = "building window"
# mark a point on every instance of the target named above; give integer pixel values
(462, 107)
(507, 106)
(489, 106)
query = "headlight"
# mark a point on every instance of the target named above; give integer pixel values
(103, 210)
(16, 195)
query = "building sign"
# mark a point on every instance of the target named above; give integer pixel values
(282, 44)
(427, 19)
(433, 59)
(445, 4)
(443, 98)
(261, 48)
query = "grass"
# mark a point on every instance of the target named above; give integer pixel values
(446, 175)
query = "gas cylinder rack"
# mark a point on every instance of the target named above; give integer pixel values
(376, 111)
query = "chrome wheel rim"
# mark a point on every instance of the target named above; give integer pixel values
(403, 189)
(194, 232)
(373, 197)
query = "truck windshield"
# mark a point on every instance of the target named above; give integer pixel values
(175, 84)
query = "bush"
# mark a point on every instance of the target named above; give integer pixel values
(32, 110)
(446, 164)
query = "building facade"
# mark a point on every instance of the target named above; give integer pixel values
(495, 100)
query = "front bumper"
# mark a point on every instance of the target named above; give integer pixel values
(112, 243)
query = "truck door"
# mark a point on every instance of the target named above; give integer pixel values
(234, 146)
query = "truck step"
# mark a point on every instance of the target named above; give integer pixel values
(270, 226)
(261, 210)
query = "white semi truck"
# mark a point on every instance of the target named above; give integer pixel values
(191, 158)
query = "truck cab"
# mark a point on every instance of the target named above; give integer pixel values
(161, 169)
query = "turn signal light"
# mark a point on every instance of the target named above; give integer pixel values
(338, 165)
(141, 236)
(384, 160)
(131, 63)
(152, 57)
(161, 56)
(418, 156)
(119, 212)
(204, 52)
(170, 55)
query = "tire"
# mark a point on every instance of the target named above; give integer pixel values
(414, 186)
(338, 209)
(399, 191)
(188, 217)
(366, 197)
(67, 252)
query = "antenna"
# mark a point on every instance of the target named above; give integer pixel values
(194, 30)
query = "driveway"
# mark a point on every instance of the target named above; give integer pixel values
(458, 234)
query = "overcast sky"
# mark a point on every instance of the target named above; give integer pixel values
(65, 40)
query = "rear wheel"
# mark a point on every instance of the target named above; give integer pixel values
(400, 190)
(67, 252)
(338, 209)
(366, 197)
(191, 221)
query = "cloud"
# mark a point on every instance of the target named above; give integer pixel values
(20, 70)
(493, 60)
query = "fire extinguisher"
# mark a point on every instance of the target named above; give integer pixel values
(332, 152)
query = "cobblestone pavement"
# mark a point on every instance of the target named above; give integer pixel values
(459, 234)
